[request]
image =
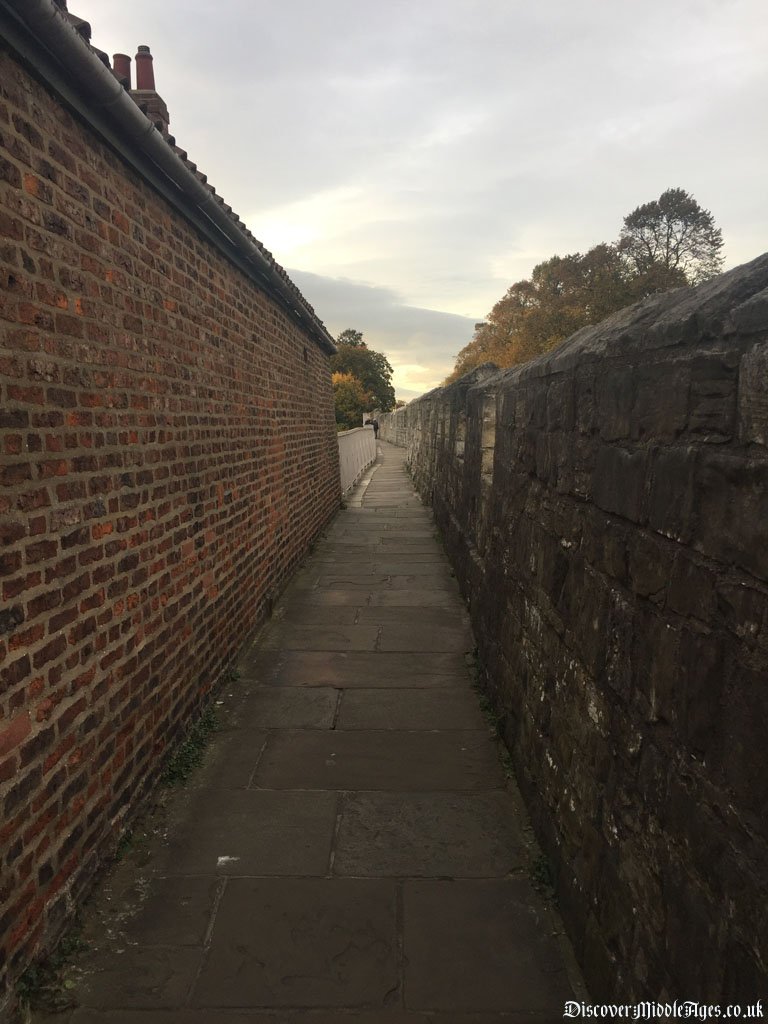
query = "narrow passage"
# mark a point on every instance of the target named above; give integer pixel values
(351, 848)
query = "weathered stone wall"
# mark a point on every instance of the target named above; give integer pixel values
(606, 510)
(168, 455)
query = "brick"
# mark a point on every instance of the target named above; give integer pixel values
(10, 562)
(27, 637)
(49, 653)
(13, 588)
(62, 619)
(14, 733)
(41, 551)
(16, 474)
(13, 418)
(11, 174)
(21, 791)
(11, 531)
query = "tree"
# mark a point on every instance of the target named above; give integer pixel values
(371, 368)
(351, 337)
(671, 241)
(563, 294)
(350, 399)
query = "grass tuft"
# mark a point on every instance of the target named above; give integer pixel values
(189, 754)
(543, 877)
(45, 985)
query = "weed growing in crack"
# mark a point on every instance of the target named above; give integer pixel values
(543, 877)
(189, 755)
(125, 844)
(491, 715)
(46, 985)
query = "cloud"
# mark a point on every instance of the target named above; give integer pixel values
(440, 150)
(421, 344)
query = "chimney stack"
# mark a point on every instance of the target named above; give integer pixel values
(145, 94)
(145, 75)
(121, 65)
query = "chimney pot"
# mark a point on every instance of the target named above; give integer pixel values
(145, 76)
(121, 64)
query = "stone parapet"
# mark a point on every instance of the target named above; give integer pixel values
(606, 510)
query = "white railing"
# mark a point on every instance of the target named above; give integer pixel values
(357, 450)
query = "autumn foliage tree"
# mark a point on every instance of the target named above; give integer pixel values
(371, 369)
(350, 400)
(563, 294)
(664, 244)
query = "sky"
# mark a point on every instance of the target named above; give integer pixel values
(406, 162)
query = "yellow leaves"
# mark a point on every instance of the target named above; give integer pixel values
(351, 400)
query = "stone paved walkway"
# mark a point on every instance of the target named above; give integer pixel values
(351, 849)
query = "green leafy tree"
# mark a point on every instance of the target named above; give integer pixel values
(371, 368)
(671, 241)
(350, 399)
(351, 337)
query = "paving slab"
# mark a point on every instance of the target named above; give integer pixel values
(428, 834)
(414, 636)
(381, 557)
(302, 942)
(369, 635)
(348, 579)
(481, 945)
(412, 709)
(408, 576)
(230, 760)
(390, 542)
(287, 636)
(301, 612)
(285, 707)
(339, 1015)
(140, 977)
(416, 597)
(250, 832)
(387, 760)
(451, 615)
(167, 911)
(396, 565)
(356, 668)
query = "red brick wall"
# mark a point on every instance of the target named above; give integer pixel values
(168, 454)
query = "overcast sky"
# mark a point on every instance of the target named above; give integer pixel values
(407, 161)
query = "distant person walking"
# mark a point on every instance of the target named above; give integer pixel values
(376, 429)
